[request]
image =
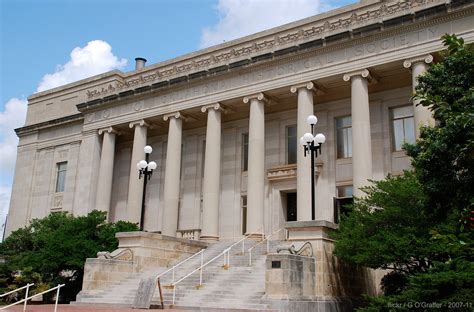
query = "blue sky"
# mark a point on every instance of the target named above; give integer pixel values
(38, 36)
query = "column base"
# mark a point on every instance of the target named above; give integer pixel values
(208, 238)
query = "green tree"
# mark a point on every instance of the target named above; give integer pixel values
(56, 248)
(420, 224)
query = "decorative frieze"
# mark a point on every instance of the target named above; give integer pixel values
(320, 28)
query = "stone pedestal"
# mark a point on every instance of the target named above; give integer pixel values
(137, 251)
(300, 283)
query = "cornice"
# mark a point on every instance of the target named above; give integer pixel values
(48, 124)
(295, 34)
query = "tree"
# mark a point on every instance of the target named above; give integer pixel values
(56, 248)
(419, 225)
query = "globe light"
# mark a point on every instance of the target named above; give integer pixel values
(142, 164)
(302, 142)
(148, 149)
(312, 120)
(138, 166)
(319, 138)
(152, 165)
(308, 137)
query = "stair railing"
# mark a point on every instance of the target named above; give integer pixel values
(27, 286)
(267, 239)
(225, 254)
(35, 295)
(173, 268)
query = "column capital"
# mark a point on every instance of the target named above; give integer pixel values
(217, 106)
(308, 85)
(141, 123)
(176, 115)
(364, 73)
(109, 130)
(427, 58)
(259, 96)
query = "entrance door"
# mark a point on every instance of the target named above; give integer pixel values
(291, 207)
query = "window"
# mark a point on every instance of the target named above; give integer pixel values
(245, 151)
(344, 136)
(61, 176)
(244, 215)
(344, 191)
(403, 126)
(291, 144)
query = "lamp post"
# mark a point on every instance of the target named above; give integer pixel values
(312, 144)
(145, 170)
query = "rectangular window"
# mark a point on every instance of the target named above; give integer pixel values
(344, 136)
(291, 145)
(60, 176)
(344, 191)
(403, 126)
(244, 215)
(245, 151)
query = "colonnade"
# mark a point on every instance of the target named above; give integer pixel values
(361, 156)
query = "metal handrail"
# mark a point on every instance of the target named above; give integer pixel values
(267, 239)
(41, 293)
(225, 253)
(27, 286)
(201, 252)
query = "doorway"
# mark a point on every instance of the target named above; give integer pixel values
(291, 207)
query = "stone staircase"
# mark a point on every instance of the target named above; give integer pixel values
(238, 287)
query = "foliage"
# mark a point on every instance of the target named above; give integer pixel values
(420, 224)
(55, 249)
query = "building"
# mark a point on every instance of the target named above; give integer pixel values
(224, 124)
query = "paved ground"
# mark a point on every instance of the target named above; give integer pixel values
(75, 308)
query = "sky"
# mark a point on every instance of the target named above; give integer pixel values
(48, 43)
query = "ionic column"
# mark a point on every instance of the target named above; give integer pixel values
(135, 185)
(361, 138)
(212, 168)
(303, 172)
(106, 170)
(256, 165)
(422, 115)
(172, 174)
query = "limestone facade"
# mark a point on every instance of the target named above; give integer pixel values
(204, 111)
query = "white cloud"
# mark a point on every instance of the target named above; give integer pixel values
(238, 18)
(95, 58)
(12, 117)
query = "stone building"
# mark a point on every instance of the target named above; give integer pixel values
(224, 124)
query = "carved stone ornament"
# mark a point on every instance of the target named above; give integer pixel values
(305, 250)
(108, 130)
(141, 123)
(308, 85)
(259, 96)
(118, 254)
(428, 58)
(217, 107)
(174, 115)
(364, 73)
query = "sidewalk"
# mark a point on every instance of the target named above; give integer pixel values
(77, 308)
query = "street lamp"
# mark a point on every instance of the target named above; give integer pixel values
(312, 144)
(145, 170)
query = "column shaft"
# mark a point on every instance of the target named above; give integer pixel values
(303, 174)
(172, 177)
(106, 172)
(422, 115)
(361, 138)
(211, 182)
(135, 185)
(256, 167)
